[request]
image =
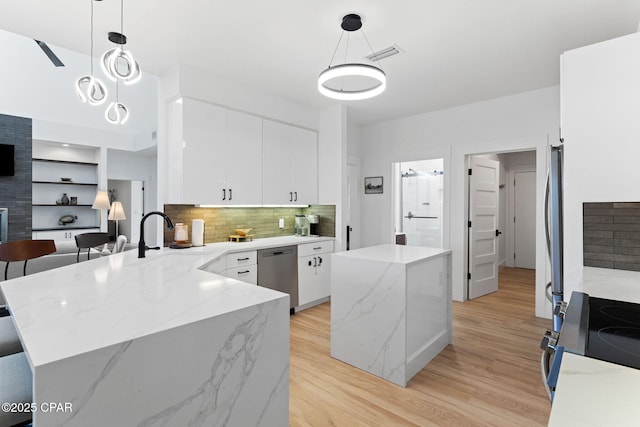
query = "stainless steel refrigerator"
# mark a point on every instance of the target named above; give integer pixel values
(554, 231)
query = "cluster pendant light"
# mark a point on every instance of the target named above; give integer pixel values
(118, 64)
(89, 88)
(351, 23)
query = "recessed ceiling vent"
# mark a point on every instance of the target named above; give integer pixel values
(384, 53)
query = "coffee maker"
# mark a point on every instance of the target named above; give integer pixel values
(314, 225)
(301, 225)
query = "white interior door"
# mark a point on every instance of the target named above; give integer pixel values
(483, 214)
(524, 254)
(137, 208)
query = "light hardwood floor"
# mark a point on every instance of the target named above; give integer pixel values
(490, 375)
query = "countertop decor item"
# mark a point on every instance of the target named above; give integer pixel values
(358, 73)
(242, 231)
(181, 233)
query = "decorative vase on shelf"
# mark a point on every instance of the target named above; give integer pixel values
(65, 199)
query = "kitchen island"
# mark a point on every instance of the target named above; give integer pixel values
(154, 341)
(390, 308)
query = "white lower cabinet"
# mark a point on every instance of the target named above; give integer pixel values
(314, 271)
(61, 235)
(242, 266)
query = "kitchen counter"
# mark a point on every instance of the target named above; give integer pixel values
(593, 392)
(390, 308)
(151, 340)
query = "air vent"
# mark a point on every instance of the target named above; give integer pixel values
(384, 53)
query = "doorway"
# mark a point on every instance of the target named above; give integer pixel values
(131, 194)
(419, 202)
(501, 194)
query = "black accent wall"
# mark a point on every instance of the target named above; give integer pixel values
(612, 235)
(15, 191)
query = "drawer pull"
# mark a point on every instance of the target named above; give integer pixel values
(243, 259)
(318, 248)
(243, 272)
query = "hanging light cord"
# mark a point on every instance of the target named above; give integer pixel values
(336, 49)
(91, 38)
(121, 20)
(372, 51)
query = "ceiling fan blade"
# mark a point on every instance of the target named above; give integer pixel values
(47, 51)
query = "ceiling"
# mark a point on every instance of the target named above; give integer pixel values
(454, 52)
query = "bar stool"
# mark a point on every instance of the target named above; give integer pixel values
(24, 250)
(15, 386)
(88, 241)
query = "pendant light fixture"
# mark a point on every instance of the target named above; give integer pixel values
(117, 113)
(118, 63)
(338, 73)
(89, 88)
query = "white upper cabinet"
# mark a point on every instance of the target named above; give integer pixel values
(290, 165)
(203, 152)
(244, 159)
(222, 155)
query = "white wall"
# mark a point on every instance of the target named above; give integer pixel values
(601, 129)
(519, 122)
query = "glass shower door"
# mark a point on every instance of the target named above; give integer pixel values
(421, 192)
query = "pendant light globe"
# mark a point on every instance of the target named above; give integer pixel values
(90, 89)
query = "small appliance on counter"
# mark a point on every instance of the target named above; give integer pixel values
(314, 225)
(301, 225)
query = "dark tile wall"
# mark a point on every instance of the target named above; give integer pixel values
(612, 235)
(15, 191)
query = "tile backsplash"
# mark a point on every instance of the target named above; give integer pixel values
(611, 235)
(219, 223)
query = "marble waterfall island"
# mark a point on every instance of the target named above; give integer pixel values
(390, 308)
(156, 341)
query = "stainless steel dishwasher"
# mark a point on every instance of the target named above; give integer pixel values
(278, 269)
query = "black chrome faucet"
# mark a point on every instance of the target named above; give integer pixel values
(142, 247)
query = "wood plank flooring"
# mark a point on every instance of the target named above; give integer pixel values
(490, 375)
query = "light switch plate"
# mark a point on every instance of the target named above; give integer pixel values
(281, 223)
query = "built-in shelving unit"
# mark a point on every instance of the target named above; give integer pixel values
(48, 188)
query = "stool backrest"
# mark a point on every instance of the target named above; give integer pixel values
(22, 250)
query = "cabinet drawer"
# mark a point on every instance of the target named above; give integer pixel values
(247, 273)
(315, 248)
(239, 259)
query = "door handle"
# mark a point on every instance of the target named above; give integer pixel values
(319, 261)
(290, 196)
(224, 194)
(498, 232)
(230, 194)
(315, 262)
(296, 198)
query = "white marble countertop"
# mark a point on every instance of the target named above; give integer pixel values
(93, 304)
(589, 391)
(399, 254)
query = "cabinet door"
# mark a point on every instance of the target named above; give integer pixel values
(204, 152)
(323, 277)
(306, 280)
(244, 159)
(305, 166)
(277, 163)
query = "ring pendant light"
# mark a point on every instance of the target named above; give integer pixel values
(350, 23)
(89, 88)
